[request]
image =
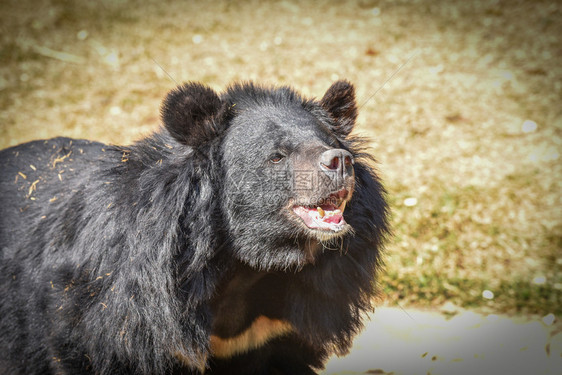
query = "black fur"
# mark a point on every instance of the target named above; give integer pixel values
(132, 260)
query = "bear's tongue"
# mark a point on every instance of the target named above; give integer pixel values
(326, 217)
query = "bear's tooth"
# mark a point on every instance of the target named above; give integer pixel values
(342, 206)
(321, 211)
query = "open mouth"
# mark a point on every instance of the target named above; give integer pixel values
(327, 215)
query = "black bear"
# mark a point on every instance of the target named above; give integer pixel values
(243, 237)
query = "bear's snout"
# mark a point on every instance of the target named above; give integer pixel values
(337, 162)
(336, 171)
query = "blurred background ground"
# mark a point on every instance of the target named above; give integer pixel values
(468, 132)
(424, 342)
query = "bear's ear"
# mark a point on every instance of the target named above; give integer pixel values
(340, 103)
(191, 113)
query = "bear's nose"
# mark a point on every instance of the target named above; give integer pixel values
(338, 161)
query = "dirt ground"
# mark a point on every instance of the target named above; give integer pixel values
(457, 341)
(462, 100)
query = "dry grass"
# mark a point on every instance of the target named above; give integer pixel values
(448, 129)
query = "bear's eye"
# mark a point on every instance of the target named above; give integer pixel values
(276, 158)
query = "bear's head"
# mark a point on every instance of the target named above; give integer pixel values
(287, 164)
